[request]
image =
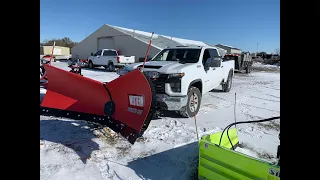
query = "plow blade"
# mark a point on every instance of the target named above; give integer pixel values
(126, 104)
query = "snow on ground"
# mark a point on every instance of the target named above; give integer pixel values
(71, 149)
(266, 67)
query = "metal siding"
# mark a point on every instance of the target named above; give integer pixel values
(126, 44)
(106, 43)
(130, 46)
(89, 45)
(160, 41)
(235, 51)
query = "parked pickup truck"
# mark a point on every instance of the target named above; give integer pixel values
(182, 74)
(110, 59)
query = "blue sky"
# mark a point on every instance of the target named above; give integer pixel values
(239, 23)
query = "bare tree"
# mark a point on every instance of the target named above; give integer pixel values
(277, 51)
(65, 42)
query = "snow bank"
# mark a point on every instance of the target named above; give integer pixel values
(265, 67)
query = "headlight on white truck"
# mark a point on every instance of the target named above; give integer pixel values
(176, 75)
(175, 81)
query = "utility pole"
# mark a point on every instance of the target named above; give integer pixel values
(257, 47)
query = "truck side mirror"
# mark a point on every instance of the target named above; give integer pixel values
(206, 68)
(91, 54)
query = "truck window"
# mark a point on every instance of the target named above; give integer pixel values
(109, 53)
(205, 57)
(215, 60)
(180, 54)
(213, 53)
(98, 53)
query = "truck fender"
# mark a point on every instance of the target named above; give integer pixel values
(226, 76)
(110, 61)
(196, 81)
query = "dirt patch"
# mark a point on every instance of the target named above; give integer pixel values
(261, 154)
(107, 136)
(270, 125)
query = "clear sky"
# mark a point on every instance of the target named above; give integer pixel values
(238, 23)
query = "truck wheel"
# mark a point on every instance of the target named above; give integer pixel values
(227, 86)
(111, 67)
(90, 65)
(193, 103)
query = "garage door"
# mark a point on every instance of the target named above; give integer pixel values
(106, 43)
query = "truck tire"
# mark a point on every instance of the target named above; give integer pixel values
(90, 64)
(192, 108)
(226, 87)
(111, 67)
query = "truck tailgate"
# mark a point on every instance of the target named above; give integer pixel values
(126, 59)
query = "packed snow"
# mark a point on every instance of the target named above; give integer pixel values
(71, 149)
(266, 67)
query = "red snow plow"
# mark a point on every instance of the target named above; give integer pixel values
(126, 104)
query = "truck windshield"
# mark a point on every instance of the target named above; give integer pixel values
(181, 55)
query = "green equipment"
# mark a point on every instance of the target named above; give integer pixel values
(218, 159)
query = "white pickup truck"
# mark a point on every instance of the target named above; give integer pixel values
(110, 59)
(182, 74)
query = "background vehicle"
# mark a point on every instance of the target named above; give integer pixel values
(110, 59)
(243, 61)
(182, 74)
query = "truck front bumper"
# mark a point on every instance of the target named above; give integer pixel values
(171, 103)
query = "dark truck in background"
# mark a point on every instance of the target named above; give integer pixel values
(242, 61)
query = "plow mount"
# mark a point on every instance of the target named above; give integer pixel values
(126, 104)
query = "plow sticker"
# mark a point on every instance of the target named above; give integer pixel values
(136, 104)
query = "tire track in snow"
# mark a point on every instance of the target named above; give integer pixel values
(264, 99)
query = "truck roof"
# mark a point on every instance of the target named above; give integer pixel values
(190, 47)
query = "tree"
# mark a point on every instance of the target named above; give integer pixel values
(64, 42)
(277, 51)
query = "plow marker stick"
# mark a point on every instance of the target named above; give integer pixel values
(145, 59)
(235, 104)
(195, 119)
(54, 44)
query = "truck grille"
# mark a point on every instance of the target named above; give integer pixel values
(159, 83)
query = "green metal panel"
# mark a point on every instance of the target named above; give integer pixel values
(220, 162)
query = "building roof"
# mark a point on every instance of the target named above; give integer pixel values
(159, 41)
(228, 46)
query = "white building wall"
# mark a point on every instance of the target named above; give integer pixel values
(126, 44)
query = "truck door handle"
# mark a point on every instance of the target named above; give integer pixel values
(221, 66)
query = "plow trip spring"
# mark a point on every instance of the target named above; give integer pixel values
(126, 105)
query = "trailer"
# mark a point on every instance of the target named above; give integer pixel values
(243, 61)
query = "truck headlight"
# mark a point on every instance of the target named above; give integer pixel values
(176, 75)
(175, 81)
(175, 86)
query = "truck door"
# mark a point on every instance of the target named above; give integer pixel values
(208, 76)
(96, 58)
(216, 68)
(109, 55)
(104, 58)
